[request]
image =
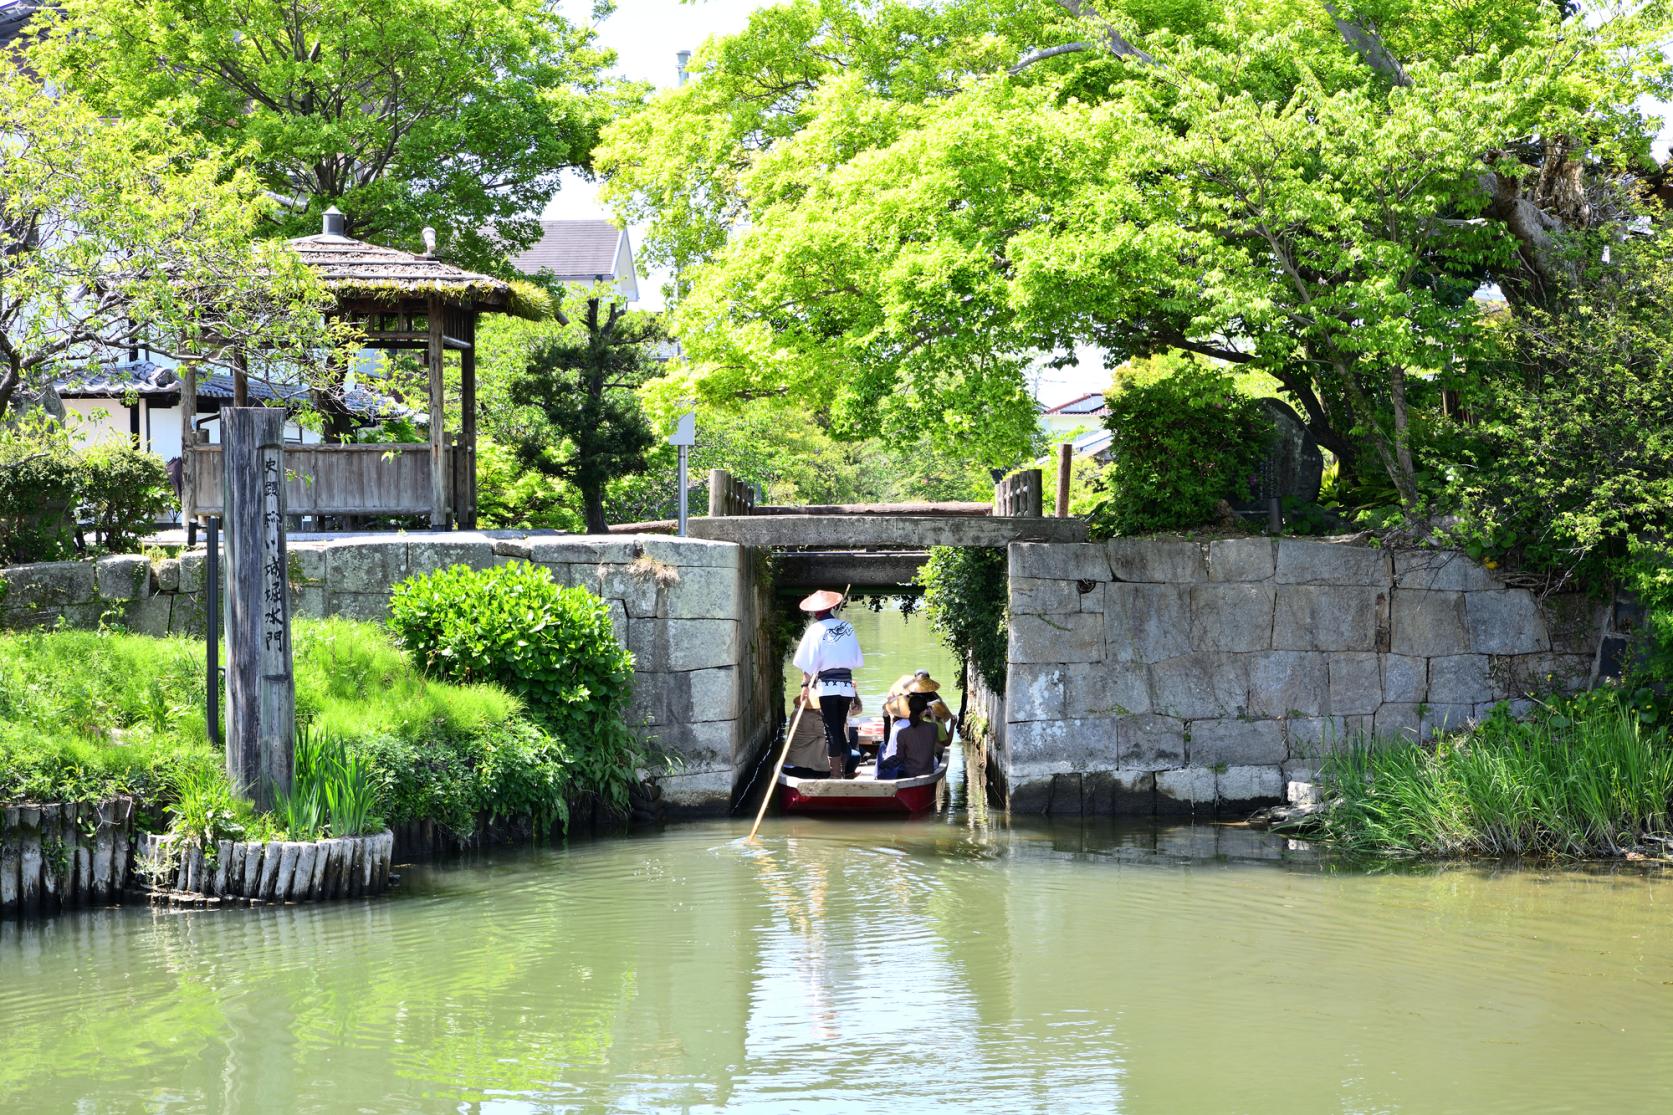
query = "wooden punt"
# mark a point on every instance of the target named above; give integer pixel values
(862, 794)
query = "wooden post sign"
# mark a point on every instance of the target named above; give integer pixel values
(261, 692)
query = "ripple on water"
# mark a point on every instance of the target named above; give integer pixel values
(852, 967)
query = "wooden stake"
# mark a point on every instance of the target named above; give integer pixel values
(1065, 462)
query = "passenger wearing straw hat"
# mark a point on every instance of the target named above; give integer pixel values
(894, 705)
(828, 655)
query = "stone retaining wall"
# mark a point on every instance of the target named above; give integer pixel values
(688, 609)
(1170, 676)
(58, 856)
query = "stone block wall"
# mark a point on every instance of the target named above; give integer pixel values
(1169, 676)
(688, 609)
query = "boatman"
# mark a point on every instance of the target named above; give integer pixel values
(827, 657)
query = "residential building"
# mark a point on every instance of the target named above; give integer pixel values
(583, 253)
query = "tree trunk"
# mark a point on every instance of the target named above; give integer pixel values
(592, 499)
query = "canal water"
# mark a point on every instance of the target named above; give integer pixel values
(940, 965)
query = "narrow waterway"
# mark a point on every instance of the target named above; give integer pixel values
(866, 967)
(941, 964)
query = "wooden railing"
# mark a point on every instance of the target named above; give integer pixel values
(1019, 496)
(728, 495)
(345, 480)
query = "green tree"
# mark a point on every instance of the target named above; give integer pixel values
(883, 207)
(117, 232)
(460, 114)
(577, 418)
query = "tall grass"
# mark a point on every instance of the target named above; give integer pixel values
(1585, 780)
(332, 790)
(84, 715)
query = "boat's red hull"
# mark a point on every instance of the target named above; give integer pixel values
(913, 799)
(862, 795)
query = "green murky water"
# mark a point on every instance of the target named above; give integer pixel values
(864, 967)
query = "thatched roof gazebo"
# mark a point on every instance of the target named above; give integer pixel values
(396, 300)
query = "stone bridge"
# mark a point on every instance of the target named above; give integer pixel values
(876, 545)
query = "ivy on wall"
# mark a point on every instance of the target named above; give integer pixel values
(965, 592)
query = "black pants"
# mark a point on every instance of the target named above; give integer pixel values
(834, 712)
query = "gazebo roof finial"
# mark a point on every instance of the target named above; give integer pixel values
(335, 223)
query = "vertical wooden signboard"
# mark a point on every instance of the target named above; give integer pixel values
(261, 692)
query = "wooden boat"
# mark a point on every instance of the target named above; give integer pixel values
(864, 793)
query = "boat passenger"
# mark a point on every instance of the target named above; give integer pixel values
(827, 657)
(894, 708)
(910, 750)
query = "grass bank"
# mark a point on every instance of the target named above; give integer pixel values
(86, 715)
(1583, 778)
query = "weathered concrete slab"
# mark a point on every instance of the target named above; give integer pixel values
(1232, 741)
(1241, 559)
(1231, 617)
(1329, 617)
(823, 568)
(1307, 562)
(906, 531)
(1157, 560)
(1087, 561)
(1146, 623)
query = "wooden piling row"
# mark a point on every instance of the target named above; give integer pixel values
(60, 856)
(276, 871)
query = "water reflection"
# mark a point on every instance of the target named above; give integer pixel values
(856, 966)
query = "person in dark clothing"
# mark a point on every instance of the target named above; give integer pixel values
(910, 750)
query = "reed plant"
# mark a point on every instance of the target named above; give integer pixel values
(1585, 778)
(332, 790)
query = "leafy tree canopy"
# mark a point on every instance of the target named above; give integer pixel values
(881, 207)
(459, 114)
(116, 232)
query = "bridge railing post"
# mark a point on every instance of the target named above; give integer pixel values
(1020, 495)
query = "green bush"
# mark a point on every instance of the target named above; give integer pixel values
(38, 481)
(1180, 445)
(553, 647)
(122, 490)
(1649, 576)
(1586, 777)
(966, 590)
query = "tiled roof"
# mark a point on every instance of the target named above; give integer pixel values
(146, 379)
(1087, 404)
(14, 15)
(573, 251)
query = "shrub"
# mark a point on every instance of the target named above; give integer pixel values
(553, 647)
(965, 595)
(1566, 457)
(1180, 445)
(1649, 575)
(122, 490)
(1586, 777)
(38, 478)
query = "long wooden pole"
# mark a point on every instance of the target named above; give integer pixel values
(784, 752)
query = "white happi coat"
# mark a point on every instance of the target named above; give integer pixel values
(829, 644)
